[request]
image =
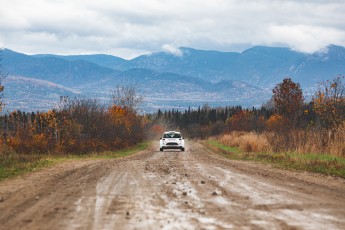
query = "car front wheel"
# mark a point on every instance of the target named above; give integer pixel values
(161, 149)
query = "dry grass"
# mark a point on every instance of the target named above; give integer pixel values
(247, 141)
(298, 141)
(320, 163)
(337, 145)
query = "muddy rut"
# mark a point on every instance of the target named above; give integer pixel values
(195, 189)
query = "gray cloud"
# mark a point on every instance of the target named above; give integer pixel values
(132, 27)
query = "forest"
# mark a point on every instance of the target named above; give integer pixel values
(77, 126)
(286, 123)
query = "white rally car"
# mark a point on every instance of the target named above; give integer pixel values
(171, 140)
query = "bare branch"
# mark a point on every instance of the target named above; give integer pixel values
(127, 97)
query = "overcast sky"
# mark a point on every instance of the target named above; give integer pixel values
(128, 28)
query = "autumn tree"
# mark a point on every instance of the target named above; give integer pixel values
(273, 122)
(241, 121)
(329, 103)
(288, 102)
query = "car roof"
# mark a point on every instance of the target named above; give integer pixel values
(172, 132)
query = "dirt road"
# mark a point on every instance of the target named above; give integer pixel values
(196, 189)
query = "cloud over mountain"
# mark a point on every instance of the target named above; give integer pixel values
(130, 28)
(172, 49)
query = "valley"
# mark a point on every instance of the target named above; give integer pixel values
(195, 78)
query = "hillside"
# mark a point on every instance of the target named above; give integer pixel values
(259, 65)
(29, 94)
(193, 78)
(54, 69)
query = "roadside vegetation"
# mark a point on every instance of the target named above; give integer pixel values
(78, 128)
(14, 164)
(288, 130)
(313, 162)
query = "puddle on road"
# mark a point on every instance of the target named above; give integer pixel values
(176, 202)
(280, 205)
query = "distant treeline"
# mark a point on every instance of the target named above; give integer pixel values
(84, 125)
(206, 121)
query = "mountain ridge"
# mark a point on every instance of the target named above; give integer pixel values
(196, 76)
(260, 65)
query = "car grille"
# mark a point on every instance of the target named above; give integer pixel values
(172, 143)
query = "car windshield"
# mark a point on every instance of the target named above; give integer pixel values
(172, 135)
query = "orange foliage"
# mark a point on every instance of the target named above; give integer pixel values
(241, 121)
(121, 117)
(273, 122)
(40, 142)
(77, 129)
(329, 103)
(288, 102)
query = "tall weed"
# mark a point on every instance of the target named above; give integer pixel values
(247, 141)
(298, 141)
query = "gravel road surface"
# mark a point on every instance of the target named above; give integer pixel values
(195, 189)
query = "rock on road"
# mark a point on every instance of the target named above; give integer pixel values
(195, 189)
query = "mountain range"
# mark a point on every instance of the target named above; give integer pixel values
(193, 78)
